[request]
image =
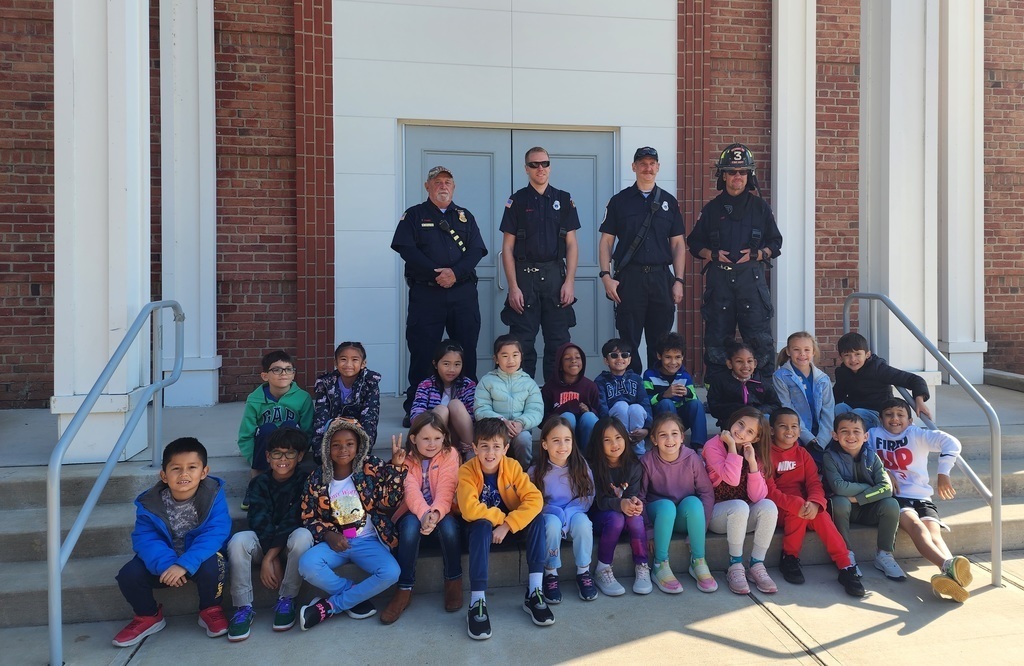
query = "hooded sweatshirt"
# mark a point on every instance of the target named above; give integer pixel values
(793, 478)
(380, 486)
(872, 384)
(627, 387)
(261, 408)
(561, 397)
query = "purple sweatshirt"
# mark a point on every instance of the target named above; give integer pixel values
(675, 480)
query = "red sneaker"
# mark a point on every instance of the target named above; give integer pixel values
(214, 621)
(140, 627)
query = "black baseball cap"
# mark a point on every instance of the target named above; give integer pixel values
(646, 151)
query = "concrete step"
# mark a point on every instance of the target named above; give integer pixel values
(91, 594)
(977, 441)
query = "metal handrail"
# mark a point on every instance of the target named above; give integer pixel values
(994, 497)
(57, 553)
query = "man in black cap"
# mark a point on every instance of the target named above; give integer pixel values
(648, 227)
(539, 255)
(441, 245)
(737, 235)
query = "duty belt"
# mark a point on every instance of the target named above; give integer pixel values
(646, 268)
(537, 266)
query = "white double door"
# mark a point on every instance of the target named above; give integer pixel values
(488, 167)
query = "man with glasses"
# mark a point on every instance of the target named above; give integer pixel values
(737, 236)
(539, 256)
(441, 245)
(643, 232)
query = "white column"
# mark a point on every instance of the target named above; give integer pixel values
(101, 221)
(898, 174)
(961, 188)
(793, 141)
(188, 182)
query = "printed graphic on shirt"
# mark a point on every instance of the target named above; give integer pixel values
(277, 414)
(489, 495)
(565, 397)
(896, 455)
(785, 466)
(628, 386)
(347, 507)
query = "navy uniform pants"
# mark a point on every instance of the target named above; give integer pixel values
(432, 311)
(737, 297)
(541, 284)
(646, 308)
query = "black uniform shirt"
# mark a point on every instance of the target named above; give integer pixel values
(733, 219)
(425, 245)
(626, 213)
(541, 215)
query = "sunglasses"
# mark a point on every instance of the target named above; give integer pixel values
(539, 165)
(735, 172)
(290, 454)
(619, 354)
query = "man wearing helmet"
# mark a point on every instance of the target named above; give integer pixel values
(644, 226)
(736, 235)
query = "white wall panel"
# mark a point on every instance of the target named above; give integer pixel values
(370, 202)
(365, 258)
(368, 315)
(593, 98)
(364, 145)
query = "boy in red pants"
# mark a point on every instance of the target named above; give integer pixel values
(794, 486)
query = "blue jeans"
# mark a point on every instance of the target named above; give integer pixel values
(137, 584)
(582, 427)
(692, 414)
(480, 550)
(408, 549)
(632, 416)
(368, 553)
(580, 531)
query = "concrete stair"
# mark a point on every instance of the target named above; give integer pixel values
(91, 594)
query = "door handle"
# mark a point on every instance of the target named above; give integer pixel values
(500, 271)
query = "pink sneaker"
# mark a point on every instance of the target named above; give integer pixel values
(663, 577)
(758, 575)
(700, 572)
(737, 579)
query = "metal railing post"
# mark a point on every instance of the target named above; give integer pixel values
(158, 397)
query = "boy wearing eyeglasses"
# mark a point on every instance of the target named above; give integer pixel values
(275, 533)
(276, 402)
(622, 393)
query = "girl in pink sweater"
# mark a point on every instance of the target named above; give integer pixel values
(735, 463)
(430, 483)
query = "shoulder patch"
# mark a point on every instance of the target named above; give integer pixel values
(508, 204)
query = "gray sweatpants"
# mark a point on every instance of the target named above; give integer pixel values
(244, 550)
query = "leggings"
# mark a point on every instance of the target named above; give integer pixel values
(686, 517)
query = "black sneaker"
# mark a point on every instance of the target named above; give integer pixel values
(362, 610)
(789, 565)
(478, 623)
(585, 583)
(552, 593)
(538, 609)
(851, 582)
(316, 612)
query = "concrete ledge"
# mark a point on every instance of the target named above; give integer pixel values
(1007, 380)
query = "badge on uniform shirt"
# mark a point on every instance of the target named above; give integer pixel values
(462, 216)
(508, 204)
(557, 205)
(664, 206)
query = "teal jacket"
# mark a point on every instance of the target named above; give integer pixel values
(515, 397)
(295, 405)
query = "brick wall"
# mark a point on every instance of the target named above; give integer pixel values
(26, 204)
(1004, 185)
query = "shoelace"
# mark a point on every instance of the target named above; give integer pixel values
(607, 575)
(540, 599)
(240, 615)
(480, 614)
(284, 605)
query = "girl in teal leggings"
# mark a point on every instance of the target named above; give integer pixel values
(679, 497)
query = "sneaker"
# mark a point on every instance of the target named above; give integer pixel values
(789, 565)
(478, 624)
(535, 605)
(700, 573)
(959, 569)
(284, 614)
(314, 613)
(140, 627)
(610, 587)
(944, 586)
(213, 620)
(362, 610)
(851, 582)
(737, 579)
(853, 563)
(886, 563)
(585, 583)
(642, 582)
(241, 623)
(552, 594)
(758, 575)
(665, 579)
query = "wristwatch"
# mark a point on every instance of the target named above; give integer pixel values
(602, 274)
(680, 280)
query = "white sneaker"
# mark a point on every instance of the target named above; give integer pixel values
(605, 581)
(642, 582)
(886, 563)
(853, 563)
